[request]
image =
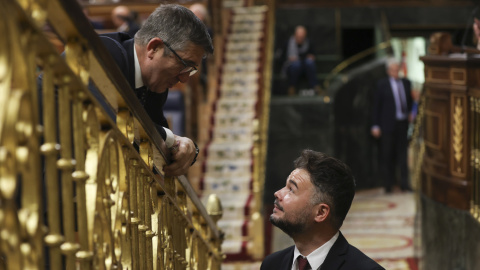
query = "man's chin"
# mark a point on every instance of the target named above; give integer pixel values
(290, 229)
(276, 220)
(273, 219)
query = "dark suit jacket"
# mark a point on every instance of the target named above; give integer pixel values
(120, 46)
(384, 109)
(342, 256)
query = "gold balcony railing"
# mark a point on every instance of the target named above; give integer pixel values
(75, 193)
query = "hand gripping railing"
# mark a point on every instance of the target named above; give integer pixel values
(74, 191)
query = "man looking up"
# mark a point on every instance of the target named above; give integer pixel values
(166, 50)
(311, 209)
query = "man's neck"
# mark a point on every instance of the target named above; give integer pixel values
(310, 241)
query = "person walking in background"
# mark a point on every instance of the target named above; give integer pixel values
(311, 209)
(301, 61)
(392, 107)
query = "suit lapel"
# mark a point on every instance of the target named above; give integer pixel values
(129, 45)
(336, 256)
(287, 260)
(389, 88)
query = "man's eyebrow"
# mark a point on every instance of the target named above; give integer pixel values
(293, 182)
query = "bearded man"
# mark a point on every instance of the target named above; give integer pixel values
(311, 209)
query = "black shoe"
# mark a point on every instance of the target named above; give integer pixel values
(407, 189)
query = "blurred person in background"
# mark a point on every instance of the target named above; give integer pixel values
(124, 20)
(392, 107)
(301, 61)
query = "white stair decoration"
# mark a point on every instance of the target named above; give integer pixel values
(229, 158)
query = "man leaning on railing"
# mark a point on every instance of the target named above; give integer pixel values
(166, 50)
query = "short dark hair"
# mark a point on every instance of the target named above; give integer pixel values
(176, 25)
(333, 180)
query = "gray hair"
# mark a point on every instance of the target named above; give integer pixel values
(177, 26)
(390, 61)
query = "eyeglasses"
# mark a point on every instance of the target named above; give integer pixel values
(188, 69)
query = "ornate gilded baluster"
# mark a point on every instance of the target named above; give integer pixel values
(174, 233)
(162, 231)
(80, 177)
(50, 149)
(77, 59)
(66, 164)
(134, 219)
(20, 225)
(149, 234)
(122, 231)
(142, 228)
(167, 222)
(21, 229)
(92, 139)
(146, 154)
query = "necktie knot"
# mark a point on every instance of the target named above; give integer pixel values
(302, 263)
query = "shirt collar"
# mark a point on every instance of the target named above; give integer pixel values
(138, 72)
(317, 257)
(393, 79)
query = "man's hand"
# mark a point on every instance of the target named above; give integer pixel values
(376, 132)
(292, 58)
(182, 155)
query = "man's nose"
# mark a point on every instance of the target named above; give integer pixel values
(279, 194)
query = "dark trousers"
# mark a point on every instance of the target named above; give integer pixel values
(393, 154)
(300, 67)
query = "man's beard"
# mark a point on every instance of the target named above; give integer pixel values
(291, 228)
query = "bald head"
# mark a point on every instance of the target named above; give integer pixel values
(120, 15)
(300, 34)
(200, 11)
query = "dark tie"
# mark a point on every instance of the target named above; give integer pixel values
(401, 96)
(142, 93)
(302, 263)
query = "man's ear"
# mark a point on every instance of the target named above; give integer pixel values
(322, 211)
(153, 46)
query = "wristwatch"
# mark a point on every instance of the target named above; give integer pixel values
(196, 153)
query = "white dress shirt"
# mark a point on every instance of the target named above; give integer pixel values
(317, 257)
(170, 140)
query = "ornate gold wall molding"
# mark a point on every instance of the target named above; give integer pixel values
(475, 156)
(458, 130)
(458, 133)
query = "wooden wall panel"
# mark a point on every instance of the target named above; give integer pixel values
(449, 83)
